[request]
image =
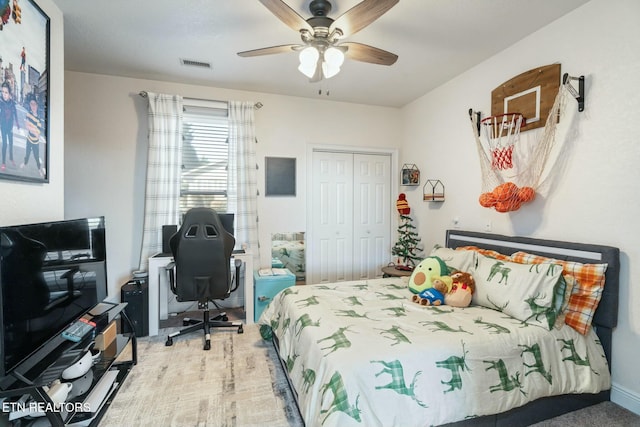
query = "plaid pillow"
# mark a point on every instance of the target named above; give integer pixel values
(587, 290)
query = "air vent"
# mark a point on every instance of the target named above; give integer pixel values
(192, 63)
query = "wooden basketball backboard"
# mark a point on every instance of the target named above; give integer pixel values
(531, 94)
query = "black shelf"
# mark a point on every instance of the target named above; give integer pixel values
(31, 380)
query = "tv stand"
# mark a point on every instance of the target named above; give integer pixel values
(23, 393)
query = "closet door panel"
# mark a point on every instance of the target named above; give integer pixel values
(351, 205)
(371, 220)
(332, 214)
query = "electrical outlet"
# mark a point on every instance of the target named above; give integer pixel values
(487, 226)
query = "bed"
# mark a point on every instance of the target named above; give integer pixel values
(362, 353)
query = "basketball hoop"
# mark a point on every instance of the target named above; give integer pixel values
(501, 132)
(512, 174)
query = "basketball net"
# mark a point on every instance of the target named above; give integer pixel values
(501, 133)
(512, 172)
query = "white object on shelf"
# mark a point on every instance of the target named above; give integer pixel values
(99, 393)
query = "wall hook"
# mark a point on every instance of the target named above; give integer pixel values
(579, 94)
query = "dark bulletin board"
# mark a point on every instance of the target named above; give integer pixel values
(280, 176)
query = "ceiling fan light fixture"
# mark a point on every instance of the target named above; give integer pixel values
(334, 57)
(332, 60)
(328, 71)
(308, 61)
(322, 52)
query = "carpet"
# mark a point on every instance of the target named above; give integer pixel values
(605, 414)
(239, 382)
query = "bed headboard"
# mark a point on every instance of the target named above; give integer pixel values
(606, 315)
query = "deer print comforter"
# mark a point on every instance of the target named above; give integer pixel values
(362, 354)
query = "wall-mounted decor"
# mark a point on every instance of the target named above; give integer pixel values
(433, 191)
(520, 104)
(410, 174)
(24, 104)
(531, 94)
(280, 176)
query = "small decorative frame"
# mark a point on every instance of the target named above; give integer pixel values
(410, 174)
(280, 176)
(433, 191)
(25, 79)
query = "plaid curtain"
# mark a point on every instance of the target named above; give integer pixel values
(243, 188)
(162, 197)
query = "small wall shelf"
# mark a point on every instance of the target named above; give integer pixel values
(433, 191)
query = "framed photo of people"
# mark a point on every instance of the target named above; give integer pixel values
(410, 174)
(24, 104)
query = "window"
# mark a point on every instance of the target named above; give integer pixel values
(205, 156)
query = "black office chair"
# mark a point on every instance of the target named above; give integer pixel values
(202, 255)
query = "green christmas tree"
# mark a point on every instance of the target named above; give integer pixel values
(407, 247)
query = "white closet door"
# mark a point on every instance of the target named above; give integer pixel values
(332, 217)
(350, 216)
(371, 214)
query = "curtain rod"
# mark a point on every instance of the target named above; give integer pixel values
(257, 105)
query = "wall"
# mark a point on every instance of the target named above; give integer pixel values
(591, 198)
(106, 140)
(24, 202)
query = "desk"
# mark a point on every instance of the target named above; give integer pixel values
(159, 289)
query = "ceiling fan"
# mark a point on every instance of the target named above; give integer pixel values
(322, 52)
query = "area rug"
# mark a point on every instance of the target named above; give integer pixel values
(605, 414)
(239, 382)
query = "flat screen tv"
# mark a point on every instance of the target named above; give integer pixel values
(50, 274)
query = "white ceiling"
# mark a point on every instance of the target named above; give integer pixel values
(434, 39)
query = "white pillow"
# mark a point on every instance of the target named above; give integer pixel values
(459, 260)
(526, 292)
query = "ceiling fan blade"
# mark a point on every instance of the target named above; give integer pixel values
(361, 15)
(365, 53)
(269, 50)
(287, 15)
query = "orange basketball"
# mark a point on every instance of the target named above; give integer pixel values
(505, 191)
(508, 205)
(487, 200)
(526, 194)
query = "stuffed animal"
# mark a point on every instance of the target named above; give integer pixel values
(435, 295)
(461, 291)
(423, 275)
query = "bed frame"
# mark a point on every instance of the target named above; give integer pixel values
(605, 319)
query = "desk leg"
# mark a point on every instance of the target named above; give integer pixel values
(247, 258)
(156, 267)
(248, 291)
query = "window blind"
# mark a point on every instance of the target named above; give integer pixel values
(205, 158)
